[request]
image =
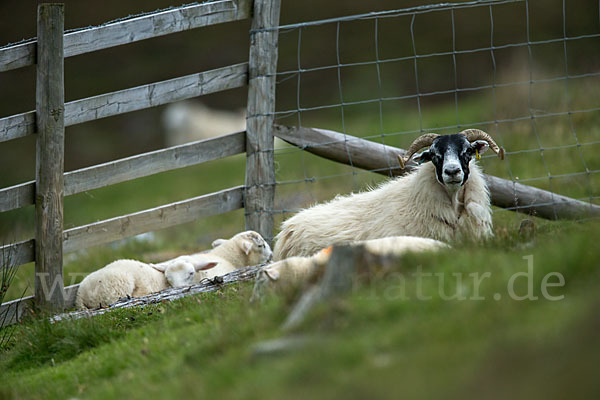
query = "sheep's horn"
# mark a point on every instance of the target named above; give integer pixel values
(477, 134)
(420, 142)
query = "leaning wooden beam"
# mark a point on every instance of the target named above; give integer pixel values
(132, 30)
(383, 159)
(153, 219)
(132, 167)
(133, 99)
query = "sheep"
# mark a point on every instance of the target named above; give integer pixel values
(132, 278)
(189, 121)
(446, 199)
(297, 270)
(245, 248)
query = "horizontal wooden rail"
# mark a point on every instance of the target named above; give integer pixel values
(133, 224)
(132, 30)
(153, 219)
(133, 167)
(17, 308)
(383, 159)
(133, 99)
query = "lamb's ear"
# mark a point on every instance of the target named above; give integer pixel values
(159, 267)
(218, 242)
(422, 157)
(272, 273)
(204, 265)
(246, 246)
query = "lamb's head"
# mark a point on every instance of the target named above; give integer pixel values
(180, 271)
(451, 154)
(253, 246)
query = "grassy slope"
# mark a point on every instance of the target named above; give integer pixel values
(370, 343)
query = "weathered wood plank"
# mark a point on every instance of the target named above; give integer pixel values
(49, 188)
(133, 99)
(18, 253)
(132, 30)
(260, 170)
(153, 219)
(11, 312)
(154, 162)
(132, 167)
(155, 94)
(16, 126)
(383, 159)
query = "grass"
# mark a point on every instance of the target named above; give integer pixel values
(378, 341)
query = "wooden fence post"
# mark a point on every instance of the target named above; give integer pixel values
(260, 170)
(50, 158)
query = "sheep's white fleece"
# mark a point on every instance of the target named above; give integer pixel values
(244, 249)
(119, 279)
(294, 270)
(415, 204)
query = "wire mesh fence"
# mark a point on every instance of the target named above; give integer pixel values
(526, 72)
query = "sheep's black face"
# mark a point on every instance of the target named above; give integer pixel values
(451, 155)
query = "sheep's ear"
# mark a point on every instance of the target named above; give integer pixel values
(480, 146)
(272, 273)
(159, 267)
(204, 265)
(422, 157)
(218, 242)
(246, 246)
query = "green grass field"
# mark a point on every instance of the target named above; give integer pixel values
(382, 340)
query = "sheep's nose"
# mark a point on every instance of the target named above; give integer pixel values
(451, 171)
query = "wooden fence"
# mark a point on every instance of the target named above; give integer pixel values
(51, 116)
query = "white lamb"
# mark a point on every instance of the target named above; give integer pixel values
(295, 270)
(244, 249)
(131, 278)
(446, 199)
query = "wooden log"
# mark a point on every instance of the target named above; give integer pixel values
(260, 166)
(133, 99)
(50, 158)
(383, 159)
(132, 167)
(153, 219)
(132, 30)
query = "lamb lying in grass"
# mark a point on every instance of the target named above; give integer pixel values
(123, 278)
(243, 249)
(297, 270)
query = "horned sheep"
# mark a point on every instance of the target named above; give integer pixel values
(445, 199)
